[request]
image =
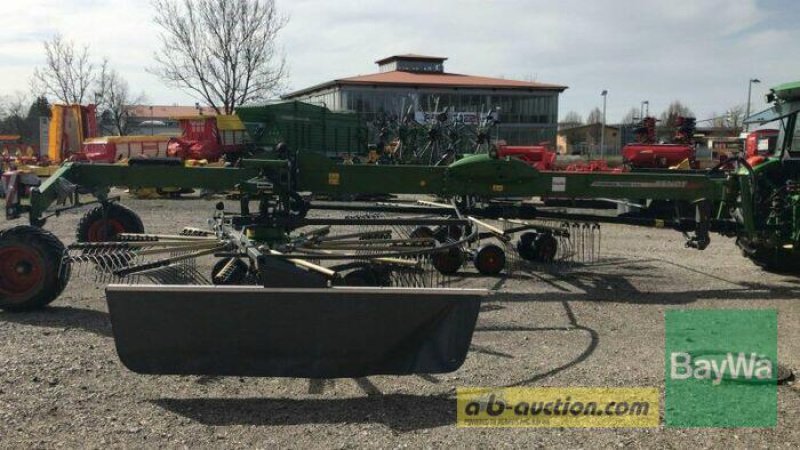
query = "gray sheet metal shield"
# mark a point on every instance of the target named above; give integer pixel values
(280, 332)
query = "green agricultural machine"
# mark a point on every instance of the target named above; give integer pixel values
(305, 127)
(299, 292)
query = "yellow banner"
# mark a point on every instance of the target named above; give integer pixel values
(568, 407)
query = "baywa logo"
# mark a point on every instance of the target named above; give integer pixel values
(741, 366)
(721, 368)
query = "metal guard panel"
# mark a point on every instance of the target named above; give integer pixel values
(280, 332)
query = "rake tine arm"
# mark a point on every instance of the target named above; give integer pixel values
(308, 265)
(165, 262)
(171, 249)
(497, 232)
(160, 237)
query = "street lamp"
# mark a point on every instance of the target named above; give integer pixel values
(642, 111)
(152, 132)
(603, 128)
(749, 92)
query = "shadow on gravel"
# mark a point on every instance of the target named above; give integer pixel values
(617, 288)
(399, 412)
(63, 317)
(748, 291)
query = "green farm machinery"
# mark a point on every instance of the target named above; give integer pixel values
(298, 291)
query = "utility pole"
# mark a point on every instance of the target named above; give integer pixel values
(603, 128)
(749, 93)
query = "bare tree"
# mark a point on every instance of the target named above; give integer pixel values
(14, 105)
(67, 74)
(20, 115)
(735, 117)
(632, 116)
(115, 99)
(572, 119)
(717, 120)
(595, 116)
(674, 110)
(222, 51)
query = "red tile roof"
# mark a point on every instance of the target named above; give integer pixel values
(403, 78)
(443, 79)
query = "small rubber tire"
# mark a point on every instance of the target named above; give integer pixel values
(361, 277)
(33, 270)
(104, 222)
(490, 260)
(448, 262)
(525, 246)
(445, 234)
(545, 248)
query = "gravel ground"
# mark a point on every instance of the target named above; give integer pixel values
(61, 383)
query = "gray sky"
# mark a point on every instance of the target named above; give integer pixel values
(699, 51)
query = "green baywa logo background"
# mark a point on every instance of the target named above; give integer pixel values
(721, 368)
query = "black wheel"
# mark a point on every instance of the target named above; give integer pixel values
(771, 259)
(448, 233)
(229, 271)
(449, 261)
(103, 223)
(545, 247)
(361, 277)
(525, 246)
(383, 275)
(490, 259)
(33, 270)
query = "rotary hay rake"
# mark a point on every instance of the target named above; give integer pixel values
(317, 296)
(383, 265)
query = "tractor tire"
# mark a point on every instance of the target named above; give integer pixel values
(103, 223)
(448, 262)
(222, 274)
(772, 259)
(490, 260)
(33, 270)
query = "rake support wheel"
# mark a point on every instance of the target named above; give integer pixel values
(490, 259)
(368, 277)
(545, 247)
(104, 222)
(33, 270)
(525, 246)
(448, 262)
